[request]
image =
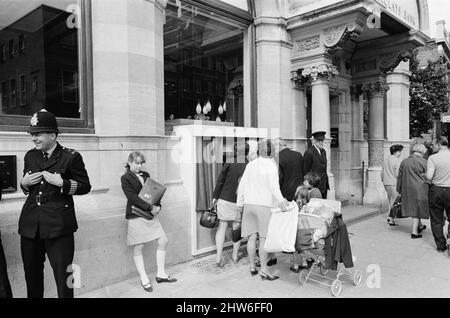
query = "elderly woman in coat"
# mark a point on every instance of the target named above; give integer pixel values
(412, 185)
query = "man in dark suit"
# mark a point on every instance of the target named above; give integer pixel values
(316, 161)
(52, 175)
(5, 287)
(290, 170)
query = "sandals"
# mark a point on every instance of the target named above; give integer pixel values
(147, 287)
(253, 271)
(268, 277)
(168, 279)
(391, 223)
(220, 263)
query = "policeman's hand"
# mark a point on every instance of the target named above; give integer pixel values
(31, 179)
(53, 178)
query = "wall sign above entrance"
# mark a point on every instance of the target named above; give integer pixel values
(406, 10)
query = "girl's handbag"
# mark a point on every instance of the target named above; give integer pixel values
(209, 218)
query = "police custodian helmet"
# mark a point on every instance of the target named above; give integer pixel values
(43, 121)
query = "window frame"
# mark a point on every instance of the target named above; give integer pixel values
(12, 92)
(22, 89)
(5, 94)
(85, 124)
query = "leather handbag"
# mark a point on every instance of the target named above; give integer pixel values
(396, 209)
(152, 192)
(209, 218)
(141, 213)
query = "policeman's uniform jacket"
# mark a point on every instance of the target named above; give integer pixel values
(49, 210)
(316, 161)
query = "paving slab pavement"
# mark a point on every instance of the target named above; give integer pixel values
(406, 267)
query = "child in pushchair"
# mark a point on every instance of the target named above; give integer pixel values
(320, 225)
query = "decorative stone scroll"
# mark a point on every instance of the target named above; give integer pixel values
(335, 37)
(375, 88)
(388, 62)
(321, 70)
(307, 44)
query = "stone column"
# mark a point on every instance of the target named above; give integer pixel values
(296, 130)
(320, 76)
(359, 145)
(375, 193)
(128, 55)
(397, 110)
(273, 49)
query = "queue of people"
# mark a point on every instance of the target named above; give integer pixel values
(245, 193)
(423, 182)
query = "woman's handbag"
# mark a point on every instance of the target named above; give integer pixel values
(209, 218)
(236, 233)
(396, 209)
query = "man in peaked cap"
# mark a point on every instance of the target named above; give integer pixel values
(316, 161)
(52, 175)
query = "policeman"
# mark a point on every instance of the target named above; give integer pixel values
(52, 175)
(316, 161)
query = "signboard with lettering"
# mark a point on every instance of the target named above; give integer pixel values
(445, 118)
(406, 10)
(334, 132)
(8, 173)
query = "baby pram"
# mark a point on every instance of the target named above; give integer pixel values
(313, 230)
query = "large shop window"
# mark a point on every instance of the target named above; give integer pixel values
(203, 65)
(44, 60)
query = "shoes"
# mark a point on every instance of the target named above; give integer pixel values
(310, 263)
(258, 264)
(414, 236)
(272, 261)
(168, 279)
(253, 272)
(391, 223)
(420, 230)
(235, 260)
(265, 276)
(220, 263)
(295, 270)
(147, 287)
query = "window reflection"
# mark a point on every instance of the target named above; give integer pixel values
(39, 60)
(203, 59)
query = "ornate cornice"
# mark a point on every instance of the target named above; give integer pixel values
(375, 88)
(316, 72)
(334, 38)
(389, 61)
(307, 44)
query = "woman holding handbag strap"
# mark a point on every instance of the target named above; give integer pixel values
(140, 230)
(224, 196)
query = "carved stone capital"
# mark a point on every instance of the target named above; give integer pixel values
(389, 61)
(356, 91)
(320, 71)
(334, 38)
(375, 88)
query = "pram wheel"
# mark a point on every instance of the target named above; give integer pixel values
(357, 278)
(303, 276)
(336, 288)
(323, 270)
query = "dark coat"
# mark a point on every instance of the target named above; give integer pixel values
(317, 162)
(412, 186)
(131, 186)
(290, 172)
(228, 181)
(337, 245)
(48, 208)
